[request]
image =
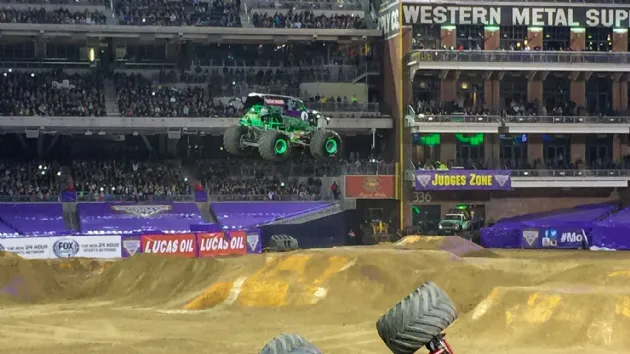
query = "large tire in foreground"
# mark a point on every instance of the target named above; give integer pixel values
(274, 146)
(232, 140)
(418, 318)
(289, 344)
(325, 144)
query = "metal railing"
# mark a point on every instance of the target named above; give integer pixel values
(263, 197)
(344, 107)
(462, 118)
(92, 197)
(29, 198)
(305, 5)
(571, 173)
(500, 56)
(304, 63)
(56, 2)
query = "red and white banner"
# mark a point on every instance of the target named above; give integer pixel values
(214, 244)
(176, 245)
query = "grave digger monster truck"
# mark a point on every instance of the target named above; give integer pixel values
(274, 125)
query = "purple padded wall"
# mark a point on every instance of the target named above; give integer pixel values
(34, 219)
(250, 214)
(122, 218)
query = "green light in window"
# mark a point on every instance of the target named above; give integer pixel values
(429, 139)
(461, 207)
(472, 139)
(415, 209)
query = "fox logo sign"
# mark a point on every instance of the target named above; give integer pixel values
(572, 237)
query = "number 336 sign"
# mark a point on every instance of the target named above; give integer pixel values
(422, 197)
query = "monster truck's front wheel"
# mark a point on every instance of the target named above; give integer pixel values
(416, 320)
(325, 144)
(232, 141)
(274, 146)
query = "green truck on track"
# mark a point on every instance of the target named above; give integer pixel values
(273, 125)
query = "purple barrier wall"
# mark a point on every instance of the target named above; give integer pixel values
(613, 232)
(34, 219)
(240, 215)
(114, 218)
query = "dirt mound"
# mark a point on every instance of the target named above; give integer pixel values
(550, 317)
(455, 245)
(150, 279)
(28, 281)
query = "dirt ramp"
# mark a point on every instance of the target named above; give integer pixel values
(28, 281)
(149, 279)
(455, 245)
(550, 317)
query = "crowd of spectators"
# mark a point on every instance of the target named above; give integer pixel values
(216, 13)
(52, 93)
(307, 19)
(138, 96)
(58, 16)
(29, 181)
(558, 162)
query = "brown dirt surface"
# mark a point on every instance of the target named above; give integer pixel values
(514, 302)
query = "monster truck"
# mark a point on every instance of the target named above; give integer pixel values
(274, 125)
(459, 221)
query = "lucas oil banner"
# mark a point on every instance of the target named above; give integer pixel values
(556, 16)
(433, 180)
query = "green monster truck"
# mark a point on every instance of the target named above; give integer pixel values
(274, 125)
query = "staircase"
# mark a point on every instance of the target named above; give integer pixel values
(111, 106)
(70, 216)
(244, 13)
(206, 213)
(336, 208)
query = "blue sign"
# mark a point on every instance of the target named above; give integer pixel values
(550, 238)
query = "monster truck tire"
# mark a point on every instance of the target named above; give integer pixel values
(418, 318)
(318, 142)
(267, 145)
(289, 344)
(232, 140)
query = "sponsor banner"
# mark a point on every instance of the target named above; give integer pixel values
(173, 245)
(86, 246)
(27, 247)
(531, 239)
(431, 180)
(254, 241)
(212, 244)
(389, 21)
(131, 245)
(556, 16)
(370, 187)
(564, 238)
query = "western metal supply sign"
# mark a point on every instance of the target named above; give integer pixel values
(436, 180)
(558, 16)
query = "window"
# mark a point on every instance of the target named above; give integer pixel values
(426, 88)
(64, 51)
(556, 38)
(599, 95)
(556, 93)
(20, 50)
(599, 39)
(513, 37)
(513, 89)
(599, 151)
(146, 52)
(513, 153)
(470, 37)
(556, 152)
(468, 154)
(426, 37)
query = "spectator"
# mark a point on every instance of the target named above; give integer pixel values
(217, 13)
(51, 94)
(59, 16)
(307, 19)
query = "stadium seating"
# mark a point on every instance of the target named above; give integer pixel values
(33, 219)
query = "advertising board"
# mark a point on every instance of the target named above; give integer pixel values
(27, 247)
(370, 187)
(537, 16)
(171, 245)
(213, 244)
(85, 246)
(431, 180)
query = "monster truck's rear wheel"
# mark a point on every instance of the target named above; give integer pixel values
(325, 144)
(274, 146)
(232, 141)
(289, 344)
(418, 318)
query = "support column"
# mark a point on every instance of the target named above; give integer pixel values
(620, 147)
(448, 87)
(535, 148)
(447, 148)
(578, 147)
(577, 90)
(406, 140)
(535, 37)
(620, 83)
(491, 87)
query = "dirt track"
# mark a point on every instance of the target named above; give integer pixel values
(521, 302)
